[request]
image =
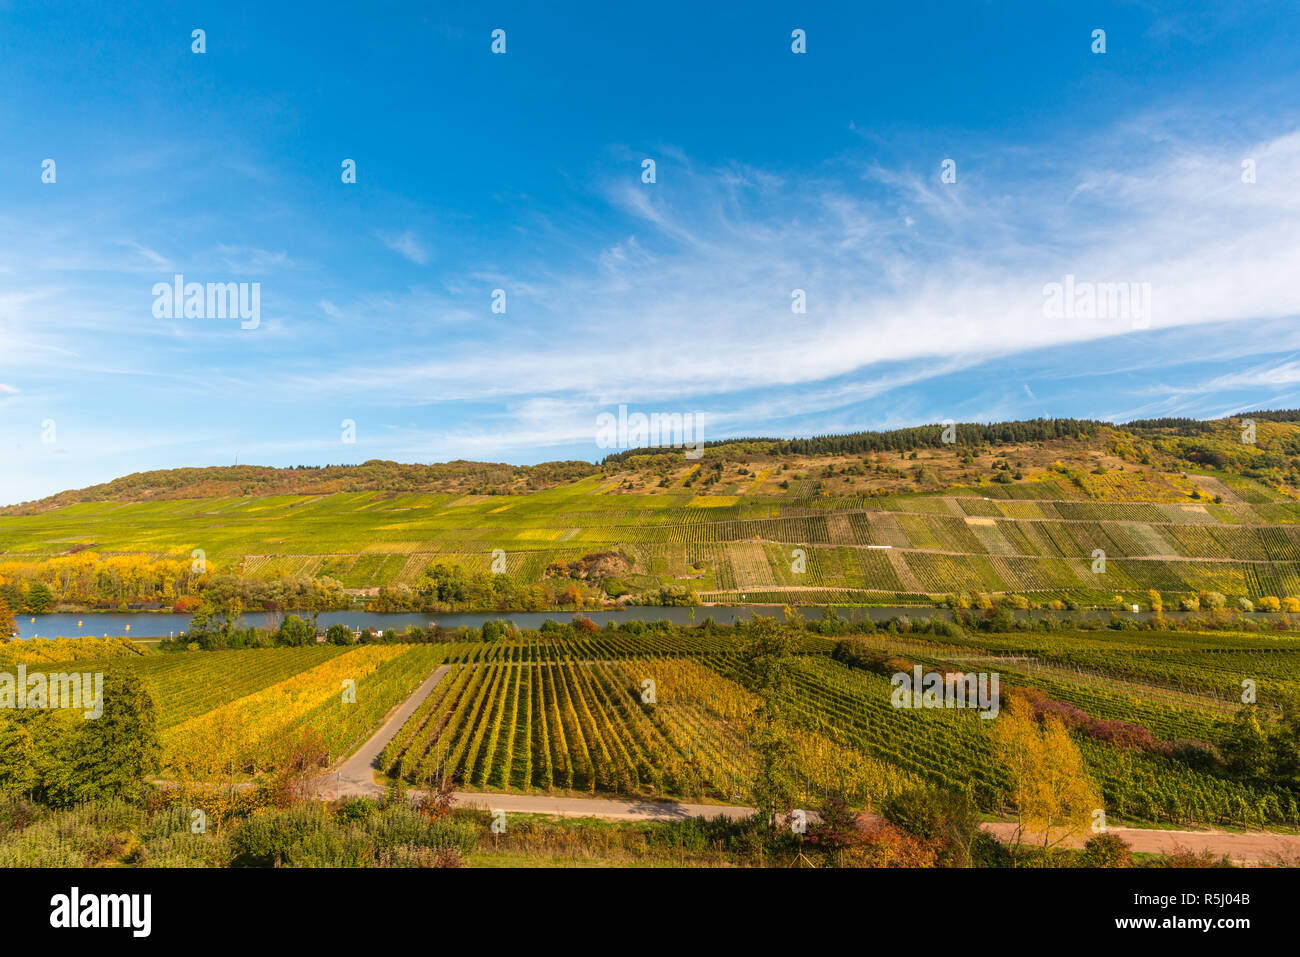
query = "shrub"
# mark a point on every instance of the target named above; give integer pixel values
(1106, 850)
(988, 851)
(407, 855)
(497, 630)
(354, 810)
(1184, 857)
(857, 653)
(1111, 731)
(273, 839)
(884, 845)
(16, 813)
(941, 816)
(357, 834)
(1197, 755)
(338, 635)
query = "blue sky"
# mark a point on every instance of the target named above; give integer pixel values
(775, 171)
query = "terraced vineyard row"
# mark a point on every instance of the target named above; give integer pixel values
(1013, 557)
(950, 747)
(185, 686)
(1027, 537)
(250, 732)
(583, 726)
(609, 644)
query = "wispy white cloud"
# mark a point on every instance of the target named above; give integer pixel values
(249, 259)
(677, 295)
(408, 244)
(153, 256)
(694, 299)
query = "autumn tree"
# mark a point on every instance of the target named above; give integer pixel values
(18, 762)
(7, 626)
(216, 618)
(1049, 786)
(338, 635)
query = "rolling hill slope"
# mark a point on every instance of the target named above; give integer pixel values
(1084, 513)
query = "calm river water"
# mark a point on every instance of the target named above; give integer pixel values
(150, 625)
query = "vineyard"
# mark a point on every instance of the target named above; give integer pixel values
(583, 726)
(570, 716)
(249, 732)
(664, 712)
(227, 711)
(1033, 538)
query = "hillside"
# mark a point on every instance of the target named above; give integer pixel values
(1174, 506)
(486, 478)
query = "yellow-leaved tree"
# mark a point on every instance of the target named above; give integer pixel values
(1050, 789)
(7, 626)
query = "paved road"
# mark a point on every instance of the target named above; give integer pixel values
(356, 775)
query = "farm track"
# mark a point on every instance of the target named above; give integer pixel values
(358, 771)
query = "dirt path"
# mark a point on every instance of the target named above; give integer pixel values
(611, 808)
(1254, 847)
(1245, 848)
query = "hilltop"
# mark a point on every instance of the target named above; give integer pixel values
(480, 478)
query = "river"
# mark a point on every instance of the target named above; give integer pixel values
(157, 625)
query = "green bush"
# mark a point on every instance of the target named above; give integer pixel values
(352, 836)
(1106, 850)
